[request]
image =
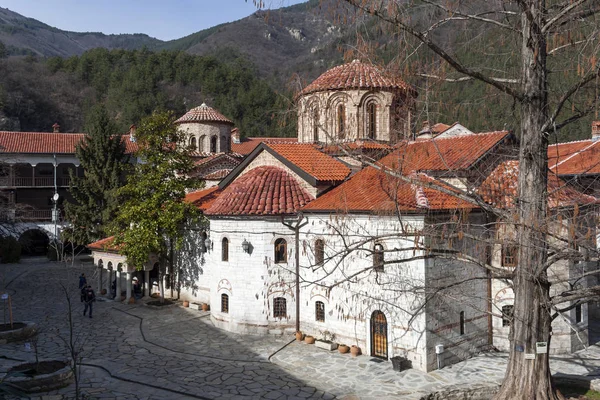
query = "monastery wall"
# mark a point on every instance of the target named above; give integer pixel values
(352, 290)
(205, 131)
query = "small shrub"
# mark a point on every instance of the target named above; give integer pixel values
(10, 250)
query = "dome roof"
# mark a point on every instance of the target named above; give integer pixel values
(203, 113)
(355, 75)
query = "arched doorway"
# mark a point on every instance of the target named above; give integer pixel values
(379, 342)
(34, 242)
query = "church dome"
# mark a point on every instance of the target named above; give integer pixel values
(201, 114)
(355, 75)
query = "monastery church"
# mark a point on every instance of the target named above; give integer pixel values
(342, 232)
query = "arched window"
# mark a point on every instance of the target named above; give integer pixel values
(279, 307)
(193, 143)
(378, 258)
(319, 311)
(280, 251)
(315, 117)
(201, 144)
(341, 121)
(224, 303)
(319, 252)
(510, 256)
(372, 120)
(213, 144)
(225, 249)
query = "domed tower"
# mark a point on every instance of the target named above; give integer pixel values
(355, 101)
(210, 131)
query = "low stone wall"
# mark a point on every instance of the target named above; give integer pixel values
(22, 333)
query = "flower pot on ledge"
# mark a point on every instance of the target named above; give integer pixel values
(355, 351)
(299, 336)
(309, 339)
(343, 349)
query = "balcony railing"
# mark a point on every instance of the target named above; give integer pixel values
(20, 181)
(34, 215)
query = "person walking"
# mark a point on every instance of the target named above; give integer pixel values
(82, 281)
(89, 299)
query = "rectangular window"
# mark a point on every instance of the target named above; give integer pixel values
(279, 308)
(320, 311)
(224, 303)
(510, 256)
(462, 322)
(578, 317)
(507, 315)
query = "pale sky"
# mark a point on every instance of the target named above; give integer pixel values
(162, 19)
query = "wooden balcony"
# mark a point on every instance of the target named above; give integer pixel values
(30, 181)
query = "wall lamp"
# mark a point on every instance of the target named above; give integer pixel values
(246, 246)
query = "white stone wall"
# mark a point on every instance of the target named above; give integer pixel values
(457, 287)
(355, 102)
(203, 132)
(351, 290)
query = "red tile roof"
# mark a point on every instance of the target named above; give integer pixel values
(217, 175)
(48, 143)
(500, 189)
(310, 160)
(355, 145)
(374, 191)
(204, 198)
(263, 190)
(203, 113)
(355, 75)
(442, 154)
(575, 158)
(247, 145)
(104, 245)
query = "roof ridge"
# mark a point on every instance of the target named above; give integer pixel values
(573, 155)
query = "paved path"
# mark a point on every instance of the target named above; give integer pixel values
(142, 352)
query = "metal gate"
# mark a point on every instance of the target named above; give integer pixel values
(379, 335)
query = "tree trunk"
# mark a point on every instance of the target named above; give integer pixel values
(531, 379)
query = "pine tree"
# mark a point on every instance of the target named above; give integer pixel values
(151, 220)
(95, 195)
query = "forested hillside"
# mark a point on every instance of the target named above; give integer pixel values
(36, 93)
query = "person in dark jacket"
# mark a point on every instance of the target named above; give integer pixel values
(89, 299)
(82, 281)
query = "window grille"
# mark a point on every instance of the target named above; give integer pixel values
(378, 258)
(510, 256)
(320, 311)
(224, 303)
(279, 307)
(319, 252)
(341, 116)
(462, 322)
(507, 315)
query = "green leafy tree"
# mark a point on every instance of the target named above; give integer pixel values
(95, 197)
(151, 220)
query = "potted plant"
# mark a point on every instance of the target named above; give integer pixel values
(186, 303)
(343, 349)
(205, 307)
(355, 351)
(309, 339)
(326, 342)
(299, 336)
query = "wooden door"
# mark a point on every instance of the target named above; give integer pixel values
(379, 341)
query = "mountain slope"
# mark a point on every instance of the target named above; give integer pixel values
(22, 35)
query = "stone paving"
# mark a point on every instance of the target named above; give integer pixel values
(142, 352)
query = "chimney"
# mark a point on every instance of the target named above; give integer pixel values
(56, 128)
(235, 135)
(595, 130)
(132, 129)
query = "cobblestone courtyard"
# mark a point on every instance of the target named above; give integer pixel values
(141, 352)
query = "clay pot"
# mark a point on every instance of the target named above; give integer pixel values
(299, 336)
(205, 307)
(103, 292)
(343, 349)
(309, 339)
(355, 351)
(132, 300)
(186, 303)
